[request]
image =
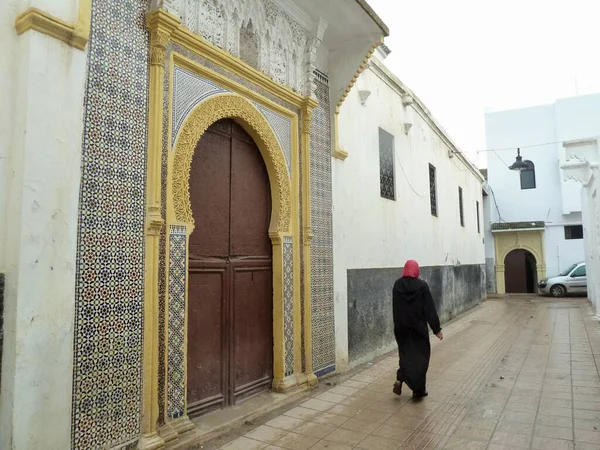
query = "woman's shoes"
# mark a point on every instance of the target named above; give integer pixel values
(420, 395)
(398, 388)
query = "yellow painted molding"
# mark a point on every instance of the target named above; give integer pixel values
(506, 242)
(160, 29)
(338, 152)
(224, 59)
(191, 65)
(242, 111)
(76, 35)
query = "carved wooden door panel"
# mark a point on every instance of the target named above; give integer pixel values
(230, 319)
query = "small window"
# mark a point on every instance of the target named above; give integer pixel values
(579, 272)
(574, 232)
(478, 222)
(528, 176)
(386, 165)
(460, 207)
(432, 191)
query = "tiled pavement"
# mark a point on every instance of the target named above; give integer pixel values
(519, 373)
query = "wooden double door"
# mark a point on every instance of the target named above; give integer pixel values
(230, 283)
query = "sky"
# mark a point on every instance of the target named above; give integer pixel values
(465, 57)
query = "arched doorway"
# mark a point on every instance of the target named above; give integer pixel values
(230, 288)
(520, 272)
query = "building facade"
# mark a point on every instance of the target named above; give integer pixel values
(405, 191)
(535, 216)
(582, 166)
(166, 240)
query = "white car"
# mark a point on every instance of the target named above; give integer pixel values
(571, 281)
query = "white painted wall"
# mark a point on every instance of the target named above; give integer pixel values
(554, 201)
(373, 232)
(41, 119)
(583, 166)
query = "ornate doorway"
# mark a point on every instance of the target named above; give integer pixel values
(230, 288)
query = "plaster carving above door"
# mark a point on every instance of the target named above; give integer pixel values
(260, 32)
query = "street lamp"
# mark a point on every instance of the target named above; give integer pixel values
(519, 165)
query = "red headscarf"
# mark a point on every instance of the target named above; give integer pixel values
(411, 269)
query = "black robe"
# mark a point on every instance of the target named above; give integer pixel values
(413, 309)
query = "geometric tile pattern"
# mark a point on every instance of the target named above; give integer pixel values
(386, 165)
(323, 326)
(176, 338)
(288, 303)
(109, 290)
(188, 91)
(283, 130)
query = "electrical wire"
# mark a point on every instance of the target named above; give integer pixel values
(530, 146)
(404, 172)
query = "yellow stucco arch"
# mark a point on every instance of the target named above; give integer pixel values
(507, 241)
(234, 107)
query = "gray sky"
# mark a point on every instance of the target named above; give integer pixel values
(463, 57)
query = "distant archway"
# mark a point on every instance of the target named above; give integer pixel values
(520, 272)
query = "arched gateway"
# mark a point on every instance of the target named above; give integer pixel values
(230, 207)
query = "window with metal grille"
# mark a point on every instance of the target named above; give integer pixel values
(432, 191)
(460, 207)
(574, 232)
(386, 165)
(528, 176)
(478, 222)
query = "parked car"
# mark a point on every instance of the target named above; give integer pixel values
(571, 281)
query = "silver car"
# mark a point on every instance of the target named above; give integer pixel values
(571, 281)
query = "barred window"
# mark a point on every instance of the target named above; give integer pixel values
(460, 207)
(386, 165)
(432, 190)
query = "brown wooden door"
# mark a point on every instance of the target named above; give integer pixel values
(230, 310)
(515, 272)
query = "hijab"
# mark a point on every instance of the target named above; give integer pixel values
(411, 269)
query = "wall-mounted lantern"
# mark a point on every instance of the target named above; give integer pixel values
(519, 165)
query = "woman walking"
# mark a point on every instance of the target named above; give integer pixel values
(413, 309)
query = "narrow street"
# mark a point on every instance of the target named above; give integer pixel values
(511, 374)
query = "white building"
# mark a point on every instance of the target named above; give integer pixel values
(582, 165)
(383, 213)
(535, 227)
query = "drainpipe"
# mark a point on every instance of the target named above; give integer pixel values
(558, 258)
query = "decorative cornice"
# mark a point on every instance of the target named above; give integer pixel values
(76, 35)
(360, 70)
(580, 171)
(585, 150)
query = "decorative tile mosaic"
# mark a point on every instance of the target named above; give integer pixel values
(107, 360)
(282, 127)
(323, 335)
(288, 303)
(176, 337)
(188, 91)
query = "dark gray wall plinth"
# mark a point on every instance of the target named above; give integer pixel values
(455, 289)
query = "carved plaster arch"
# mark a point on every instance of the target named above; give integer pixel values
(244, 113)
(538, 258)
